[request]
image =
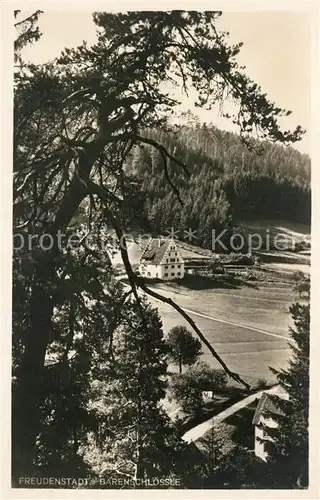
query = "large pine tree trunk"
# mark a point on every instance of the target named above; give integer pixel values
(139, 472)
(140, 467)
(26, 399)
(27, 396)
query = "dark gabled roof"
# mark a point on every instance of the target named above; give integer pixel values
(154, 251)
(266, 404)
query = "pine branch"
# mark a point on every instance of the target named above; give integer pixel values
(165, 156)
(163, 151)
(31, 19)
(137, 282)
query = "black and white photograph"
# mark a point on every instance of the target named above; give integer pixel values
(161, 246)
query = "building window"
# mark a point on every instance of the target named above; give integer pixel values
(179, 266)
(166, 267)
(172, 267)
(165, 275)
(178, 274)
(172, 260)
(148, 274)
(176, 254)
(172, 274)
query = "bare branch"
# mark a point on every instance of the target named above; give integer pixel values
(163, 150)
(114, 323)
(28, 19)
(91, 205)
(137, 282)
(186, 316)
(167, 176)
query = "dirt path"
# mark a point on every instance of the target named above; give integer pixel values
(239, 325)
(201, 429)
(218, 320)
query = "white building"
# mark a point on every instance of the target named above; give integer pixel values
(207, 396)
(161, 259)
(266, 406)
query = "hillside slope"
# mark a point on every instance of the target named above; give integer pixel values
(227, 183)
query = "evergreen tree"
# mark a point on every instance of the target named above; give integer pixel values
(27, 32)
(79, 340)
(287, 442)
(135, 435)
(227, 464)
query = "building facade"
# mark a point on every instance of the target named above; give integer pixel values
(161, 259)
(263, 418)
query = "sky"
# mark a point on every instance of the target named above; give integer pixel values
(276, 53)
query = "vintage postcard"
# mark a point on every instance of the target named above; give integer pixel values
(161, 246)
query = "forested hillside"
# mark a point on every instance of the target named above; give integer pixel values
(226, 183)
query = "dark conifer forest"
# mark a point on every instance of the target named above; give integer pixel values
(226, 182)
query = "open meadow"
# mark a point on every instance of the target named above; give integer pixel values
(247, 323)
(248, 327)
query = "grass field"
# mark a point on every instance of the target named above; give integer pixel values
(255, 341)
(248, 325)
(293, 229)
